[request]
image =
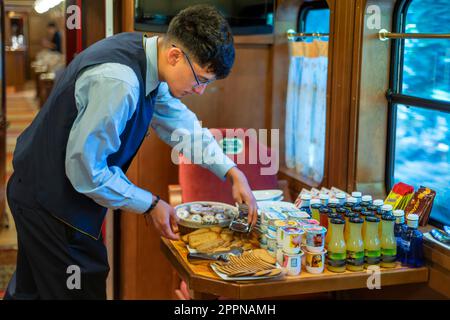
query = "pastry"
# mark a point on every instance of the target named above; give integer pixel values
(196, 218)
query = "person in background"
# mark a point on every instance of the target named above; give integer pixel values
(53, 39)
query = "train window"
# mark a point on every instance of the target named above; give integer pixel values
(420, 104)
(306, 96)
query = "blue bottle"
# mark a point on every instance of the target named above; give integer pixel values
(412, 243)
(399, 228)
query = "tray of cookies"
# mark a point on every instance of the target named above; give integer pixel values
(205, 214)
(251, 265)
(218, 239)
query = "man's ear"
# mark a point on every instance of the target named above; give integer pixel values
(174, 55)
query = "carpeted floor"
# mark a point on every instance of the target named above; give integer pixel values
(21, 108)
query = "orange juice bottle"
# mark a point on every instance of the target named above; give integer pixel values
(388, 242)
(355, 245)
(337, 250)
(372, 249)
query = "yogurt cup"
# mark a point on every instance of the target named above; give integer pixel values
(264, 228)
(279, 255)
(292, 263)
(315, 238)
(263, 241)
(279, 233)
(312, 221)
(292, 239)
(314, 261)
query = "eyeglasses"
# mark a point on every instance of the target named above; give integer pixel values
(199, 83)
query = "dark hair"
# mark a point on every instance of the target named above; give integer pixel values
(205, 34)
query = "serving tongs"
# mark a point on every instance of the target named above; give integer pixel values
(240, 222)
(219, 256)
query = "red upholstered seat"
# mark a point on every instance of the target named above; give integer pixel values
(199, 184)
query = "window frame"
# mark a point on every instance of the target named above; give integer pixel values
(395, 97)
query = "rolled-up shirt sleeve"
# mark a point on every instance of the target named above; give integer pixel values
(106, 98)
(173, 121)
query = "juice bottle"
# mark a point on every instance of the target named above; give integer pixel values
(337, 251)
(412, 242)
(372, 249)
(324, 198)
(355, 246)
(386, 209)
(358, 196)
(366, 201)
(348, 216)
(341, 212)
(330, 227)
(364, 215)
(315, 206)
(351, 202)
(378, 203)
(324, 211)
(341, 198)
(333, 205)
(357, 209)
(388, 242)
(305, 203)
(399, 228)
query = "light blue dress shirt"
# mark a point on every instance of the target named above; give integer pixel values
(106, 97)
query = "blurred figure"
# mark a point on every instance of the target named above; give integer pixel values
(53, 39)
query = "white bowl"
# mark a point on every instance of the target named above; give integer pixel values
(268, 195)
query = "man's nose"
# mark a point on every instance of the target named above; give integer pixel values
(200, 89)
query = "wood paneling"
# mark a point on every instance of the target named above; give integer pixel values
(93, 21)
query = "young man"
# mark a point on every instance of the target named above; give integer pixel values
(70, 163)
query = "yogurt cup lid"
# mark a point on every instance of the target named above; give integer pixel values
(312, 221)
(292, 230)
(316, 229)
(280, 223)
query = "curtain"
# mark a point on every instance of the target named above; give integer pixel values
(306, 108)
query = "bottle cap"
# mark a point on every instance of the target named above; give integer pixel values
(305, 196)
(352, 200)
(367, 198)
(341, 195)
(334, 201)
(324, 196)
(387, 217)
(413, 217)
(333, 215)
(357, 209)
(324, 210)
(372, 219)
(350, 214)
(386, 207)
(399, 213)
(378, 202)
(337, 221)
(341, 210)
(356, 194)
(356, 220)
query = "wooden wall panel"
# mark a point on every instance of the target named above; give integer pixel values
(373, 109)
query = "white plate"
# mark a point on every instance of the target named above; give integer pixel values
(191, 224)
(227, 278)
(268, 195)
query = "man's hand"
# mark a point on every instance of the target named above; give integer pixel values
(242, 193)
(165, 220)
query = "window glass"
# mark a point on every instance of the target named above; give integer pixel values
(426, 68)
(422, 155)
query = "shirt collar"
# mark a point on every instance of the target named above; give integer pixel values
(151, 53)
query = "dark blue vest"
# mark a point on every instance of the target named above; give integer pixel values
(39, 157)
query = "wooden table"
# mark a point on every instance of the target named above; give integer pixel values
(209, 287)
